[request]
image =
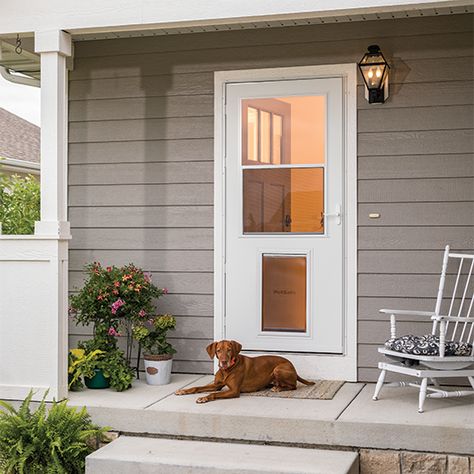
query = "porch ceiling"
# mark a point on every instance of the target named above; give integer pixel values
(326, 18)
(25, 61)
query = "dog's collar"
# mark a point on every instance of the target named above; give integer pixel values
(233, 361)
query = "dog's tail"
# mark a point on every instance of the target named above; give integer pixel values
(306, 382)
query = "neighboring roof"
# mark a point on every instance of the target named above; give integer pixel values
(19, 139)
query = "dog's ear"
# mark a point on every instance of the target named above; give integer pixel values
(236, 347)
(211, 349)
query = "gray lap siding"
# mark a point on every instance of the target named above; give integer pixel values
(141, 162)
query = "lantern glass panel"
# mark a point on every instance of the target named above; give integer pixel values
(374, 73)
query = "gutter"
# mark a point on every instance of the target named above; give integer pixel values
(17, 79)
(19, 166)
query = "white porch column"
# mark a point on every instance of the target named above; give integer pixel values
(54, 47)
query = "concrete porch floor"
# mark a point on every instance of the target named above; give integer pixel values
(350, 419)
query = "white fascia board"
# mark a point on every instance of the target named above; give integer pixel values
(21, 16)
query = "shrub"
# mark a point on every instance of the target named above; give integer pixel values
(19, 204)
(112, 298)
(54, 441)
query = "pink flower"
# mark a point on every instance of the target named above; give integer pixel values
(165, 291)
(147, 276)
(142, 313)
(116, 305)
(112, 332)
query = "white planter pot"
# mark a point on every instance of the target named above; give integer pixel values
(158, 369)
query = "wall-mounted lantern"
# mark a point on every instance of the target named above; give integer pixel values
(374, 69)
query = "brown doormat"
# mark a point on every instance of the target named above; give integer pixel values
(321, 390)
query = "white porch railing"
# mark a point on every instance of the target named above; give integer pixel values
(33, 316)
(33, 268)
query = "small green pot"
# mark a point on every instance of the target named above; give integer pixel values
(98, 381)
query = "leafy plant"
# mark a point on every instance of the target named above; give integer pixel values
(87, 358)
(152, 334)
(116, 369)
(82, 364)
(54, 441)
(19, 204)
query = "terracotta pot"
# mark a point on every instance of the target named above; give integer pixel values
(158, 368)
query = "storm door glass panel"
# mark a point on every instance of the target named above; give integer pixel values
(284, 293)
(283, 200)
(283, 162)
(289, 130)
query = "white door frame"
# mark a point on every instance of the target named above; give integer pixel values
(321, 365)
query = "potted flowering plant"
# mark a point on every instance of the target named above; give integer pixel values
(112, 300)
(157, 351)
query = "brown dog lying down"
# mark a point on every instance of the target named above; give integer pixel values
(243, 374)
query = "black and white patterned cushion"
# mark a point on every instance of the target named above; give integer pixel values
(427, 345)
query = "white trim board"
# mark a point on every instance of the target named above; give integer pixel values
(321, 365)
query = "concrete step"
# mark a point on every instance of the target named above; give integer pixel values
(129, 455)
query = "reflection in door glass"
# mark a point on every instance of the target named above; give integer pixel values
(252, 129)
(284, 293)
(283, 200)
(277, 137)
(265, 137)
(284, 130)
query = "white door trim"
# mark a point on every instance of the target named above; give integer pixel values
(328, 366)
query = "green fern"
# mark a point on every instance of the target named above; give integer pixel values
(54, 441)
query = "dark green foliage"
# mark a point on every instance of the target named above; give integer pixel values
(54, 441)
(19, 204)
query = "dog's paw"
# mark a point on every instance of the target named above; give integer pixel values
(180, 392)
(202, 400)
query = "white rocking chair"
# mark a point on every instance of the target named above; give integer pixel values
(447, 352)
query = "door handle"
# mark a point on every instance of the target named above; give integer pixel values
(336, 214)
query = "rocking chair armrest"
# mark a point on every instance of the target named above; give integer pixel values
(402, 312)
(393, 320)
(441, 317)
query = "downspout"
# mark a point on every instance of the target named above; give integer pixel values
(17, 79)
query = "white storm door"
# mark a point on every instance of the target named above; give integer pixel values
(284, 215)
